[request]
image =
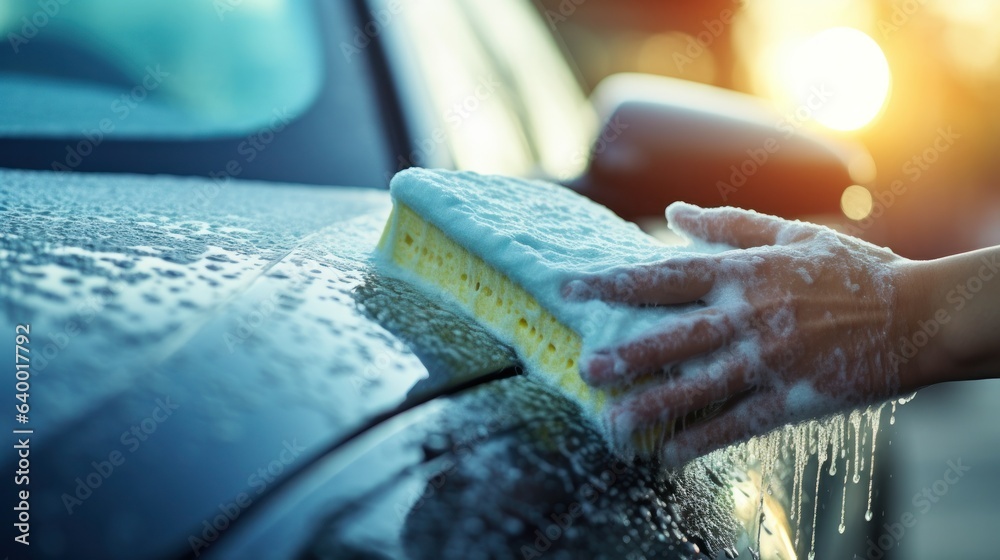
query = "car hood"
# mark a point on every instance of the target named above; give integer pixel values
(198, 329)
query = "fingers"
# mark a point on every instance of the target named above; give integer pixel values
(688, 335)
(678, 280)
(698, 387)
(754, 414)
(732, 226)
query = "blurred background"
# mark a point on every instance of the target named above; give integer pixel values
(915, 81)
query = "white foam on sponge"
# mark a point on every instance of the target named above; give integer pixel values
(542, 236)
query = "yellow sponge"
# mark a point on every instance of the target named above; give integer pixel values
(490, 297)
(501, 249)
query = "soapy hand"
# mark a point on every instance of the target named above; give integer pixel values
(799, 321)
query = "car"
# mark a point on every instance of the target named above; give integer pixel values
(234, 379)
(361, 89)
(215, 367)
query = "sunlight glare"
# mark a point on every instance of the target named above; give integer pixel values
(840, 76)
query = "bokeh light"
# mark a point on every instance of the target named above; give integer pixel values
(856, 202)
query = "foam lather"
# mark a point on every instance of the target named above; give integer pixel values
(501, 250)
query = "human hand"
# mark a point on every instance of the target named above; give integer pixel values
(800, 321)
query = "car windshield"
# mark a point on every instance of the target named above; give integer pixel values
(185, 68)
(229, 90)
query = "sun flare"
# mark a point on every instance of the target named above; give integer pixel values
(839, 77)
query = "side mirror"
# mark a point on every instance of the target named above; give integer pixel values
(666, 139)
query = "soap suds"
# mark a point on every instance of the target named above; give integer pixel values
(543, 238)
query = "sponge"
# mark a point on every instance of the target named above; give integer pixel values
(490, 297)
(501, 249)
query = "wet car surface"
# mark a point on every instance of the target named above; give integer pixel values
(244, 383)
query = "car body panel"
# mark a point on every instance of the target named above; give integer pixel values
(507, 469)
(228, 324)
(247, 368)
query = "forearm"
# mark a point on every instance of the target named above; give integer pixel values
(958, 308)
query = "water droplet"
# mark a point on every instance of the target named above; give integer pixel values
(843, 497)
(875, 416)
(868, 515)
(822, 441)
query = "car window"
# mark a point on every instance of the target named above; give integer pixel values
(478, 108)
(185, 68)
(558, 117)
(255, 89)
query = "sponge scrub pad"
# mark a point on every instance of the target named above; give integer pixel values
(489, 296)
(502, 249)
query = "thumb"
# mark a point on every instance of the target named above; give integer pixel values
(727, 225)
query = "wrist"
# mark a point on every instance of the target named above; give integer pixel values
(959, 298)
(920, 325)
